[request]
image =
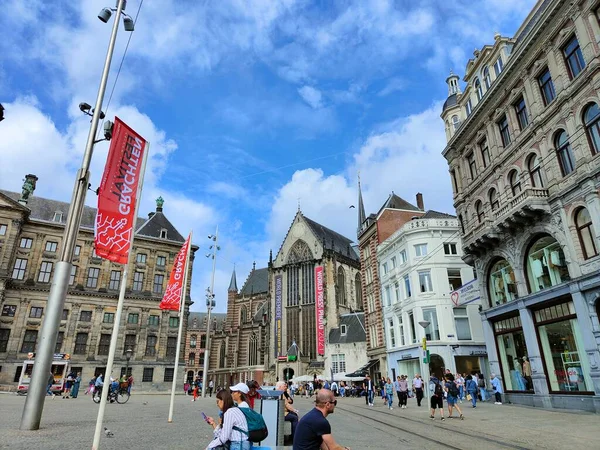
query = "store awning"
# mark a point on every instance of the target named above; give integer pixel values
(364, 369)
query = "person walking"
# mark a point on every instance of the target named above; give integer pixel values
(471, 388)
(69, 383)
(314, 431)
(418, 388)
(497, 387)
(452, 396)
(232, 428)
(129, 384)
(460, 383)
(397, 388)
(437, 398)
(195, 389)
(403, 392)
(211, 386)
(99, 384)
(482, 387)
(369, 389)
(50, 384)
(389, 392)
(76, 384)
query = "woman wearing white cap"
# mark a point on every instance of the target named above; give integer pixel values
(239, 392)
(231, 431)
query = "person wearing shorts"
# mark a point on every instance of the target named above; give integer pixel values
(437, 398)
(452, 399)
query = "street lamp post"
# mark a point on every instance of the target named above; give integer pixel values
(210, 304)
(128, 354)
(34, 403)
(425, 359)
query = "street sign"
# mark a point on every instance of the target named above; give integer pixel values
(425, 356)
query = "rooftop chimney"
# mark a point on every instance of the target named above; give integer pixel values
(420, 204)
(28, 187)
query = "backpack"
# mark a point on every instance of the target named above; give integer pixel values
(453, 389)
(438, 390)
(257, 428)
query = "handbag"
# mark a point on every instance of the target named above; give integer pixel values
(469, 397)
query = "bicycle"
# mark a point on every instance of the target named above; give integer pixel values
(120, 395)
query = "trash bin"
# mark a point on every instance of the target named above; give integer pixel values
(272, 410)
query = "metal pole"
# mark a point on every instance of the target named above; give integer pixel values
(181, 317)
(34, 403)
(209, 302)
(115, 333)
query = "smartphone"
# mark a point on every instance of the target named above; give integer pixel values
(204, 417)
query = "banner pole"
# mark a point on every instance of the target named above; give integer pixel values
(115, 332)
(181, 317)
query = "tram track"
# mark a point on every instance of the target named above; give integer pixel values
(473, 436)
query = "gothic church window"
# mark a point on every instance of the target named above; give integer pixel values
(253, 350)
(341, 287)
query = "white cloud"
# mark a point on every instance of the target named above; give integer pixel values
(394, 84)
(311, 96)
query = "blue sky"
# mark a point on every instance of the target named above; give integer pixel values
(250, 107)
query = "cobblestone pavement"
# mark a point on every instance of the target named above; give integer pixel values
(69, 424)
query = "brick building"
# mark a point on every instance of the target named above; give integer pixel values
(31, 231)
(195, 342)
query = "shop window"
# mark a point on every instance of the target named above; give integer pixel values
(586, 233)
(512, 352)
(502, 284)
(567, 368)
(546, 265)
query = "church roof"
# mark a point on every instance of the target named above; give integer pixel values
(201, 317)
(257, 282)
(332, 240)
(355, 329)
(436, 215)
(44, 209)
(395, 202)
(233, 283)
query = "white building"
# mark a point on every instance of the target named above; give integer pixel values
(420, 265)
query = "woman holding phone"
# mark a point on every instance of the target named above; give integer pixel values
(232, 428)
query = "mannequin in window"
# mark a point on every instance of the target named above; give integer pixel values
(527, 373)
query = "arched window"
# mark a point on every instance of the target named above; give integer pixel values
(515, 182)
(591, 118)
(502, 283)
(192, 359)
(455, 122)
(479, 211)
(243, 314)
(546, 265)
(585, 231)
(193, 340)
(493, 196)
(478, 89)
(535, 171)
(486, 78)
(253, 350)
(358, 290)
(564, 153)
(341, 287)
(222, 356)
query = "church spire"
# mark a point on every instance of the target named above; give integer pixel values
(233, 284)
(361, 207)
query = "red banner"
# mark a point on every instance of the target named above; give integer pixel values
(174, 289)
(320, 310)
(117, 196)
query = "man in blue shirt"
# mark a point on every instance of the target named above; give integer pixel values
(313, 429)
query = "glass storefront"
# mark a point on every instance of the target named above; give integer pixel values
(546, 265)
(512, 351)
(502, 284)
(567, 368)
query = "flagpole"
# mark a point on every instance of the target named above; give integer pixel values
(181, 317)
(117, 322)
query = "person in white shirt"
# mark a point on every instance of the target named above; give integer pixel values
(418, 388)
(232, 428)
(238, 393)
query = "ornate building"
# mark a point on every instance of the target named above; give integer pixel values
(31, 231)
(372, 231)
(314, 283)
(195, 342)
(524, 156)
(240, 345)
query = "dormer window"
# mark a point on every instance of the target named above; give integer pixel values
(163, 233)
(57, 216)
(343, 330)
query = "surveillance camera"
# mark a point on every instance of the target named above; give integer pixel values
(84, 107)
(108, 130)
(102, 115)
(128, 23)
(105, 14)
(210, 236)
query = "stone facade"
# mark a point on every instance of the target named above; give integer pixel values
(421, 266)
(31, 232)
(525, 166)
